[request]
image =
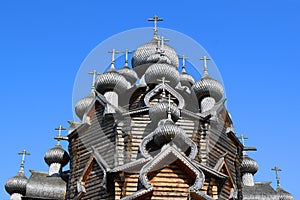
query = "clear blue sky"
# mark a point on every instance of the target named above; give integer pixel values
(255, 44)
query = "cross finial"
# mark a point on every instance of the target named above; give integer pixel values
(59, 137)
(162, 41)
(23, 153)
(277, 169)
(113, 53)
(184, 58)
(163, 81)
(155, 19)
(126, 57)
(243, 138)
(94, 73)
(204, 58)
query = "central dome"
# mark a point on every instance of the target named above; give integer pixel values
(143, 56)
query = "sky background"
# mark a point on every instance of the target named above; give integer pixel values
(255, 44)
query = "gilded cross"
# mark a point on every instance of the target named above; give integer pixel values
(94, 73)
(59, 137)
(204, 58)
(277, 169)
(126, 56)
(23, 153)
(113, 53)
(155, 19)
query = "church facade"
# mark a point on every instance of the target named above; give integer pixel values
(148, 131)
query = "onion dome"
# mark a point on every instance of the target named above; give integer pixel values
(208, 86)
(166, 131)
(83, 104)
(57, 155)
(111, 81)
(141, 61)
(160, 111)
(186, 79)
(129, 74)
(17, 184)
(249, 165)
(158, 71)
(284, 195)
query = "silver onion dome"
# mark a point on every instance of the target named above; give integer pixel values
(83, 104)
(111, 81)
(166, 131)
(186, 79)
(160, 111)
(129, 74)
(57, 155)
(158, 71)
(141, 61)
(16, 184)
(283, 195)
(208, 87)
(249, 165)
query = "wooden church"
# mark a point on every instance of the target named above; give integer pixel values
(148, 131)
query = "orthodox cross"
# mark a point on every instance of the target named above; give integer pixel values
(126, 57)
(23, 153)
(277, 169)
(163, 80)
(94, 73)
(204, 58)
(184, 58)
(59, 137)
(155, 19)
(113, 53)
(243, 138)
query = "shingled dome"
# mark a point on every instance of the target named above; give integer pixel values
(208, 87)
(83, 104)
(143, 56)
(57, 155)
(159, 70)
(111, 81)
(249, 165)
(166, 131)
(17, 184)
(129, 74)
(160, 111)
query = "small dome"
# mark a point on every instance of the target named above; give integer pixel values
(129, 74)
(160, 111)
(249, 165)
(186, 79)
(57, 155)
(111, 81)
(141, 61)
(166, 131)
(83, 104)
(284, 195)
(160, 70)
(208, 86)
(17, 184)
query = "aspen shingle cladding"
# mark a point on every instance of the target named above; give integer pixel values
(261, 190)
(42, 186)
